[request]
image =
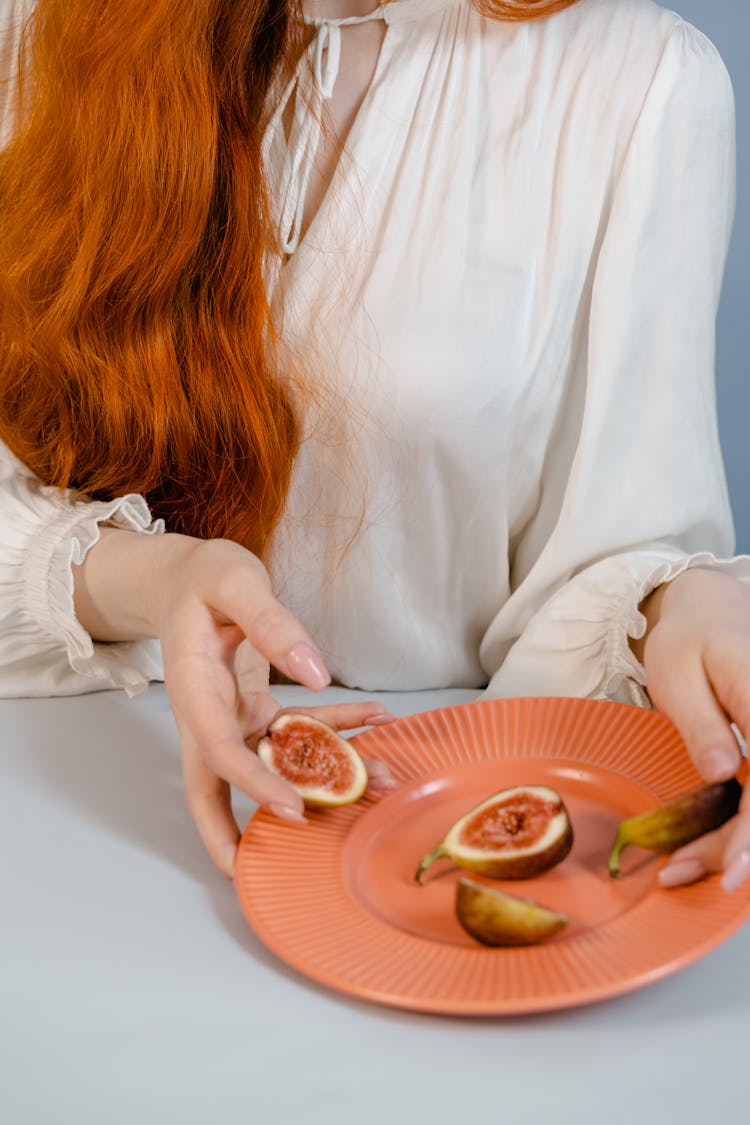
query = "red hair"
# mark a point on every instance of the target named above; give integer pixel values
(521, 9)
(137, 348)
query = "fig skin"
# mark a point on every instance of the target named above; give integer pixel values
(499, 919)
(521, 864)
(678, 822)
(315, 796)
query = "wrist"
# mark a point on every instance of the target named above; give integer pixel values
(690, 587)
(161, 564)
(124, 581)
(651, 608)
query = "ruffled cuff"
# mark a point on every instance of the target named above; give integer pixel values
(47, 597)
(577, 644)
(624, 676)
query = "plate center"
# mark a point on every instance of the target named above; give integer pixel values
(383, 849)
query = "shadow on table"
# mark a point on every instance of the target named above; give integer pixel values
(117, 763)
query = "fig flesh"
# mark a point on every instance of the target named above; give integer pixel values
(496, 918)
(677, 823)
(515, 834)
(323, 767)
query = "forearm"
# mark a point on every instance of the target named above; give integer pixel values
(119, 586)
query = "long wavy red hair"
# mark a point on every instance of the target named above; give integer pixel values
(137, 347)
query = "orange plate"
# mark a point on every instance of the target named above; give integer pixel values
(337, 899)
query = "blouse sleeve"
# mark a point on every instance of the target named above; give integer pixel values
(643, 494)
(44, 650)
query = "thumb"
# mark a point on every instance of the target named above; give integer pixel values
(687, 698)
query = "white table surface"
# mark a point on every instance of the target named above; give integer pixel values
(133, 991)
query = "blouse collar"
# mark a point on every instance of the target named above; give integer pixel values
(310, 87)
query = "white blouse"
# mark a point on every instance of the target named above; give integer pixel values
(507, 300)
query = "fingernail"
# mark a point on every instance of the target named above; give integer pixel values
(384, 783)
(682, 871)
(286, 812)
(737, 872)
(379, 717)
(304, 665)
(717, 765)
(372, 720)
(376, 768)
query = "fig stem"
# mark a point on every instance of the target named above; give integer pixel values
(614, 859)
(436, 853)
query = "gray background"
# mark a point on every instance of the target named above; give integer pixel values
(727, 24)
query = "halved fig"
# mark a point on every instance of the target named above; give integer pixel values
(515, 834)
(322, 766)
(496, 918)
(679, 822)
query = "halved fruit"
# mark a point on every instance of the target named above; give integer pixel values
(679, 822)
(322, 766)
(515, 834)
(496, 918)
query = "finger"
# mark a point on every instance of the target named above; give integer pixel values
(683, 692)
(702, 857)
(205, 722)
(254, 716)
(376, 768)
(383, 784)
(379, 775)
(232, 760)
(737, 851)
(243, 595)
(346, 716)
(208, 800)
(725, 666)
(727, 849)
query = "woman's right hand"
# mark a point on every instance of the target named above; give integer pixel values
(210, 604)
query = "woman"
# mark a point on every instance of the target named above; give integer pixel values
(414, 303)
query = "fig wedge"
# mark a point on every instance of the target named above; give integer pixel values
(496, 918)
(677, 823)
(515, 834)
(323, 767)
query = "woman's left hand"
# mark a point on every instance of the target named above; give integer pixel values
(697, 661)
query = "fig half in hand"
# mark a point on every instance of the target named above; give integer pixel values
(679, 822)
(515, 834)
(322, 766)
(496, 918)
